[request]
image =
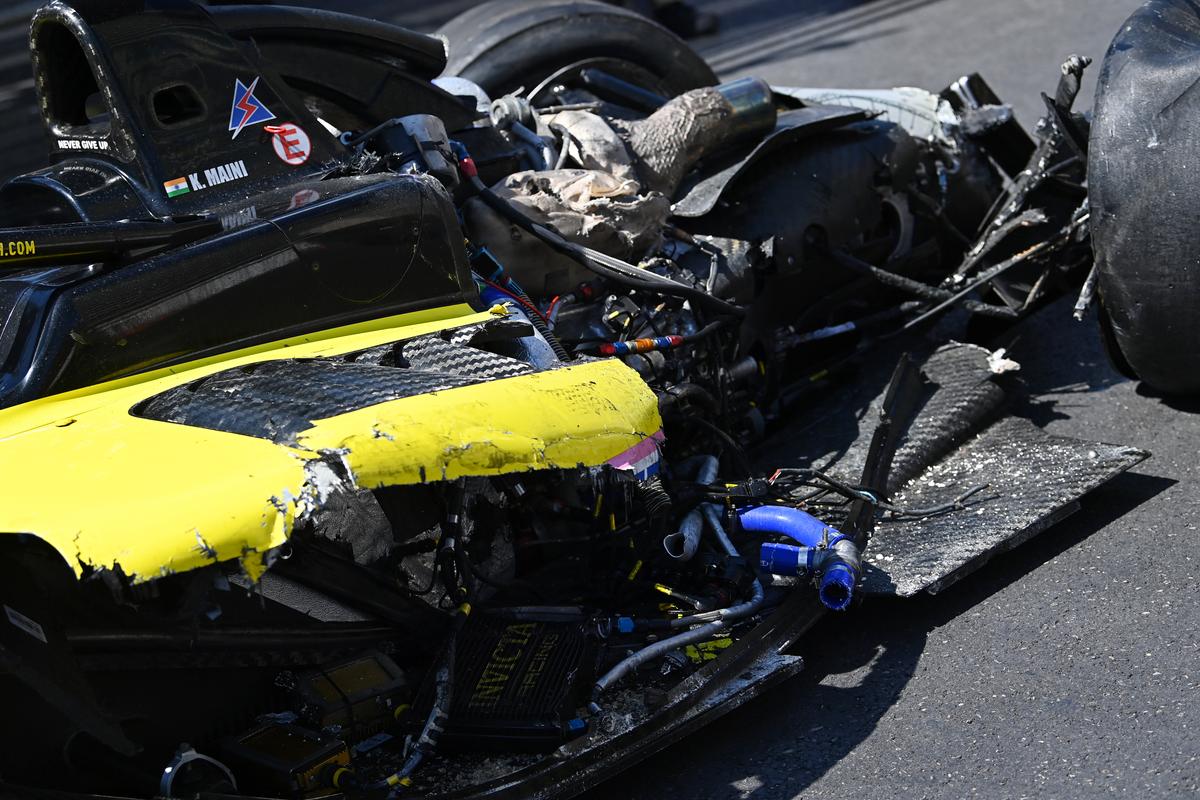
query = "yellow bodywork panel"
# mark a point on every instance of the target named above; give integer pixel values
(111, 490)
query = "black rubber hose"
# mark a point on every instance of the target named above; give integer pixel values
(435, 724)
(660, 509)
(543, 328)
(462, 561)
(671, 397)
(705, 332)
(451, 556)
(730, 446)
(914, 287)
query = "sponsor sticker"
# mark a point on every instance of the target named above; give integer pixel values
(176, 187)
(291, 143)
(28, 247)
(247, 109)
(214, 176)
(233, 171)
(23, 622)
(83, 144)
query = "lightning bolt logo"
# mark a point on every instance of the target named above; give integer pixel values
(247, 109)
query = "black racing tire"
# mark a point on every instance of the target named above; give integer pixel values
(504, 45)
(1144, 189)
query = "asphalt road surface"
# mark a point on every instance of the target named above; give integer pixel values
(1068, 668)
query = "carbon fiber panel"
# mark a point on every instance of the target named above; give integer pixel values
(1034, 480)
(277, 400)
(958, 440)
(435, 354)
(963, 397)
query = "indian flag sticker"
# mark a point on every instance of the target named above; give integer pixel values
(176, 187)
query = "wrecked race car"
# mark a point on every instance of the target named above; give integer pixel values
(387, 418)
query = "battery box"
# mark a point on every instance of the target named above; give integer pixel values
(361, 696)
(284, 759)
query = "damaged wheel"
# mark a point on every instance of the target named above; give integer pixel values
(504, 46)
(1144, 203)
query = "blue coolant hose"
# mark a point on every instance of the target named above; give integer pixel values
(820, 549)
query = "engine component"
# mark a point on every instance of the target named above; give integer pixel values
(417, 141)
(516, 115)
(702, 626)
(670, 141)
(512, 110)
(597, 262)
(753, 105)
(284, 758)
(593, 143)
(362, 695)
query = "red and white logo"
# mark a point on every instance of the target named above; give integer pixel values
(291, 143)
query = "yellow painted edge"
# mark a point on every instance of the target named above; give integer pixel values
(106, 488)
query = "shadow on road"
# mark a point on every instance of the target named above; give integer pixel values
(758, 33)
(1187, 405)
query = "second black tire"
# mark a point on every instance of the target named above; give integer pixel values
(1144, 190)
(504, 45)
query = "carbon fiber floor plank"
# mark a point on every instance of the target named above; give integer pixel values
(956, 442)
(1034, 480)
(963, 398)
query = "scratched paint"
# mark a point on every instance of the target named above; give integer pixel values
(114, 491)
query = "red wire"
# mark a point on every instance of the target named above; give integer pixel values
(517, 297)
